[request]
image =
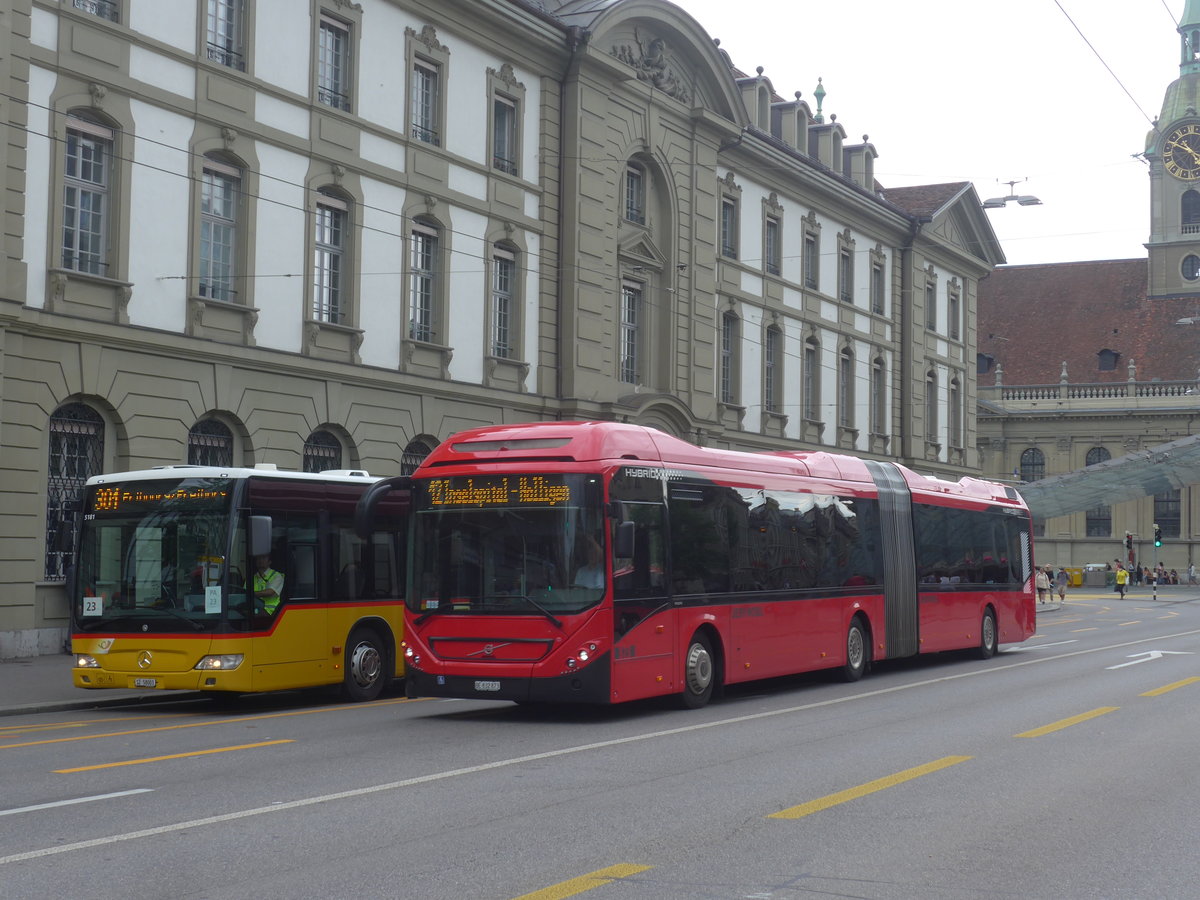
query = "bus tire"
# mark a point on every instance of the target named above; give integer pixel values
(366, 665)
(699, 673)
(987, 635)
(858, 651)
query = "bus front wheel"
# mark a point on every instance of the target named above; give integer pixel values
(699, 673)
(366, 659)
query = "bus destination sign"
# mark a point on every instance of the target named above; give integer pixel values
(499, 490)
(119, 498)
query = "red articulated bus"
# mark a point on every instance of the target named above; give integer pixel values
(598, 562)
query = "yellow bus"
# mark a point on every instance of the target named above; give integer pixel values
(236, 580)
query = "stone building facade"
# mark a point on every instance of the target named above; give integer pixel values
(1084, 362)
(330, 234)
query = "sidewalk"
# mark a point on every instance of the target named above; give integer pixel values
(34, 684)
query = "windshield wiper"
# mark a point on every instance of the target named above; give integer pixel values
(545, 612)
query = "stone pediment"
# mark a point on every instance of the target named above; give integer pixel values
(641, 250)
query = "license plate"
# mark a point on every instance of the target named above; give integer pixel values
(487, 685)
(145, 682)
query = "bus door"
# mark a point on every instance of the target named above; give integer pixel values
(644, 622)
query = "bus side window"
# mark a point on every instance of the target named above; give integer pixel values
(301, 578)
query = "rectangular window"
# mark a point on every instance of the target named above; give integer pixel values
(226, 28)
(424, 102)
(846, 275)
(504, 135)
(1166, 512)
(635, 195)
(422, 292)
(931, 306)
(86, 181)
(218, 231)
(812, 261)
(877, 289)
(729, 226)
(955, 411)
(503, 279)
(952, 312)
(729, 337)
(846, 391)
(631, 315)
(104, 9)
(811, 383)
(333, 64)
(329, 244)
(771, 369)
(1098, 522)
(774, 254)
(878, 398)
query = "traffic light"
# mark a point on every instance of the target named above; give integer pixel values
(1128, 541)
(1157, 536)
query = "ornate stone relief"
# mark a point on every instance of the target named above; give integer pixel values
(650, 63)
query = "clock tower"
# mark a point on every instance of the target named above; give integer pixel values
(1173, 151)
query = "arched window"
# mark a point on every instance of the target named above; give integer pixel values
(414, 454)
(210, 443)
(76, 453)
(1033, 464)
(1189, 211)
(322, 451)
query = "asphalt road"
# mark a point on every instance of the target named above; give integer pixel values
(1059, 769)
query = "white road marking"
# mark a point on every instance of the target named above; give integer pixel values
(23, 809)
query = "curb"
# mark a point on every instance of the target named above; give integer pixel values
(98, 703)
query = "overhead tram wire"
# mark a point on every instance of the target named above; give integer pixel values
(655, 304)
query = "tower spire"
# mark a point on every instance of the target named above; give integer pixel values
(1189, 34)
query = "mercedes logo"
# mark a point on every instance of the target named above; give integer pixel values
(144, 659)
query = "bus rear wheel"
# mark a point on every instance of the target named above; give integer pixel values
(699, 673)
(858, 652)
(365, 669)
(987, 636)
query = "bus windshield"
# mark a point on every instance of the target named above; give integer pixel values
(507, 545)
(155, 551)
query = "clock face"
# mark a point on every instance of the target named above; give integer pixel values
(1181, 152)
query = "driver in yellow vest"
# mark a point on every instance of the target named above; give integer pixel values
(267, 584)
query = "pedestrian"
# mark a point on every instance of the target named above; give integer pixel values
(1043, 585)
(1060, 581)
(1192, 574)
(1122, 580)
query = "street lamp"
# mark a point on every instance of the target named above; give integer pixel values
(1022, 199)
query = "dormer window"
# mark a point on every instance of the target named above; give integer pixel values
(1108, 360)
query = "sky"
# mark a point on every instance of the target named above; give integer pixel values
(1059, 92)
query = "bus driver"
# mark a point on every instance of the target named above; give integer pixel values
(267, 584)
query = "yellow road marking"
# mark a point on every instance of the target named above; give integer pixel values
(1067, 723)
(1134, 622)
(879, 784)
(1166, 688)
(596, 879)
(150, 759)
(208, 722)
(1078, 630)
(14, 730)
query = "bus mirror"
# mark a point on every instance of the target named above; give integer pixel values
(260, 535)
(623, 542)
(364, 512)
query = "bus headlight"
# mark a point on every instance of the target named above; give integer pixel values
(85, 661)
(222, 662)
